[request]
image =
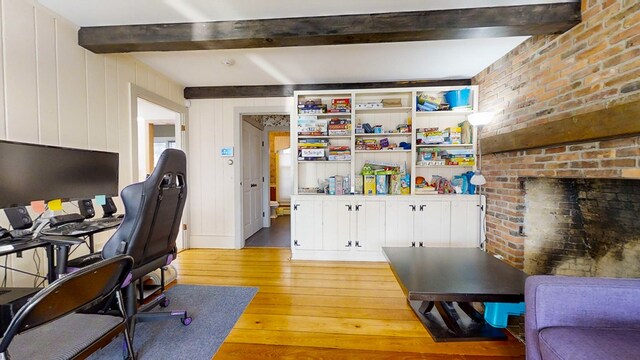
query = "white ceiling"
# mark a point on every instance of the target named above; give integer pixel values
(297, 65)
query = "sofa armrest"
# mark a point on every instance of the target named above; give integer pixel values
(578, 301)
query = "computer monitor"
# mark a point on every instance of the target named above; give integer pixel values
(31, 172)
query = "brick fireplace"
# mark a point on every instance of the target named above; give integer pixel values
(583, 227)
(594, 66)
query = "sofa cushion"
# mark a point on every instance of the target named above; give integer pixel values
(589, 343)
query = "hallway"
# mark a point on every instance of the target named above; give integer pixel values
(278, 235)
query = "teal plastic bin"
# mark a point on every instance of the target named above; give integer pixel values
(497, 314)
(457, 98)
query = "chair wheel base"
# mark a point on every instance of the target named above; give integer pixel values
(164, 303)
(186, 320)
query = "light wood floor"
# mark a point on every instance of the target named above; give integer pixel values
(323, 310)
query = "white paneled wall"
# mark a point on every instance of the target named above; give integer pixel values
(212, 191)
(54, 92)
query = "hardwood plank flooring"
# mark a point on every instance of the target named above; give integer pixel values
(323, 310)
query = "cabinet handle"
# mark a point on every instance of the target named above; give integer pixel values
(295, 207)
(421, 244)
(422, 207)
(413, 244)
(413, 207)
(358, 244)
(295, 243)
(254, 185)
(357, 209)
(349, 208)
(348, 244)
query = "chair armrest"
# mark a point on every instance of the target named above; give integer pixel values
(578, 301)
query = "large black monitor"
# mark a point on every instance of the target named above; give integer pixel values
(31, 172)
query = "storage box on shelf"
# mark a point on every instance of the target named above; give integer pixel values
(377, 130)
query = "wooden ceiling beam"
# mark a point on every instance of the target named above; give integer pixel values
(254, 91)
(468, 23)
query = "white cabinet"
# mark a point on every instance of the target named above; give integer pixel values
(432, 223)
(306, 224)
(355, 228)
(399, 229)
(370, 220)
(336, 220)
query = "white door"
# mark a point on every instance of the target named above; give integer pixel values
(336, 224)
(465, 224)
(433, 222)
(251, 179)
(399, 220)
(371, 224)
(306, 225)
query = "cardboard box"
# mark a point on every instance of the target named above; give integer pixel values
(359, 184)
(369, 184)
(382, 186)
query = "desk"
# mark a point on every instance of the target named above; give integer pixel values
(449, 280)
(87, 229)
(17, 245)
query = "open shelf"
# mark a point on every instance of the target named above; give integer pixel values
(343, 114)
(383, 151)
(383, 134)
(385, 109)
(324, 136)
(324, 161)
(444, 166)
(442, 145)
(444, 113)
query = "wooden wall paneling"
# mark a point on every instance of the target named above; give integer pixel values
(20, 71)
(213, 195)
(195, 166)
(126, 75)
(226, 121)
(72, 89)
(111, 100)
(142, 76)
(96, 101)
(162, 85)
(47, 78)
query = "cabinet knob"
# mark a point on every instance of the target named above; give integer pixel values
(421, 244)
(422, 207)
(358, 244)
(413, 244)
(295, 243)
(348, 244)
(295, 206)
(349, 208)
(413, 207)
(358, 209)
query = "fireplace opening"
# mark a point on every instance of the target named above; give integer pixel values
(582, 227)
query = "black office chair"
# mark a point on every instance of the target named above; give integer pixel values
(153, 213)
(54, 323)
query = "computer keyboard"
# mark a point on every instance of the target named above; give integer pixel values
(87, 226)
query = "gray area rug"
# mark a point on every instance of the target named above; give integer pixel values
(214, 309)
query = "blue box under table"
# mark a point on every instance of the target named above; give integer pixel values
(497, 314)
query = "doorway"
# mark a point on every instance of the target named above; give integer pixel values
(276, 179)
(158, 124)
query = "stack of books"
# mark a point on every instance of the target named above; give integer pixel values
(312, 149)
(339, 153)
(339, 127)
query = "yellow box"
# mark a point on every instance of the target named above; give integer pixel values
(369, 184)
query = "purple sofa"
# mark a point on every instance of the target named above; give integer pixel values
(582, 318)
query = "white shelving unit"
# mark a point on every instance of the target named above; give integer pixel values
(354, 227)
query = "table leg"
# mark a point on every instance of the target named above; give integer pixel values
(91, 244)
(426, 307)
(471, 312)
(449, 316)
(62, 255)
(51, 265)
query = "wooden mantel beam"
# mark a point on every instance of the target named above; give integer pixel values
(468, 23)
(616, 121)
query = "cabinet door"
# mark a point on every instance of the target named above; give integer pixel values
(433, 222)
(370, 224)
(399, 220)
(307, 224)
(336, 224)
(465, 223)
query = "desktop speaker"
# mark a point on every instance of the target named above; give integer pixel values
(19, 217)
(109, 208)
(86, 208)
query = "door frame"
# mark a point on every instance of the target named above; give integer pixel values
(238, 112)
(136, 92)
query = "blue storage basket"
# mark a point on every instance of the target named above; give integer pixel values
(457, 98)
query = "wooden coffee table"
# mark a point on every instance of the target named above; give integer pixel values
(442, 283)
